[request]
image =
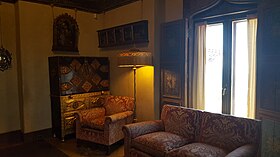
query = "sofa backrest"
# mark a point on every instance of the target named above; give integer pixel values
(228, 132)
(181, 121)
(117, 104)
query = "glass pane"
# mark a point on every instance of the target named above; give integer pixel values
(214, 68)
(239, 69)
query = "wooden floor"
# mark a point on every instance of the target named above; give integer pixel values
(70, 148)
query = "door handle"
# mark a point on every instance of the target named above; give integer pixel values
(224, 91)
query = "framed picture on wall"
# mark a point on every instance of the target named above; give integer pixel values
(119, 35)
(111, 37)
(102, 38)
(127, 34)
(140, 31)
(65, 34)
(171, 82)
(131, 33)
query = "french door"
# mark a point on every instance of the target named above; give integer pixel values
(226, 62)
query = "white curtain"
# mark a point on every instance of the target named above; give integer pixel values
(252, 34)
(199, 66)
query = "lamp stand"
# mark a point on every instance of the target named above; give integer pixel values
(134, 93)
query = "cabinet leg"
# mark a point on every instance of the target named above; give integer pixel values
(108, 152)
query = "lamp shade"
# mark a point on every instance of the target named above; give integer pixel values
(134, 59)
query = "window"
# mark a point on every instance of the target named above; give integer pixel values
(225, 67)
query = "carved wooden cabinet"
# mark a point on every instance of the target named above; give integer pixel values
(268, 76)
(76, 83)
(172, 64)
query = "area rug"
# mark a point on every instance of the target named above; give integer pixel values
(34, 149)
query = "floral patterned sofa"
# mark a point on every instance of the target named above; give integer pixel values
(184, 132)
(103, 124)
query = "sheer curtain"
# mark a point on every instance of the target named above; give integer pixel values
(252, 34)
(199, 66)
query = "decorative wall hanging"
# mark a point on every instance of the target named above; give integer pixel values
(5, 55)
(65, 34)
(131, 33)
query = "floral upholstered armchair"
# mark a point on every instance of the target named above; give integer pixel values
(103, 124)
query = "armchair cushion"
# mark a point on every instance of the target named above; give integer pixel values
(158, 143)
(117, 104)
(197, 149)
(92, 118)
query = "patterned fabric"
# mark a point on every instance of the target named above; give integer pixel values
(92, 118)
(117, 104)
(99, 102)
(181, 121)
(248, 150)
(141, 128)
(136, 153)
(109, 129)
(197, 150)
(228, 132)
(214, 135)
(137, 129)
(158, 143)
(118, 116)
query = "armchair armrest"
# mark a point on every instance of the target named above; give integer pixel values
(118, 116)
(248, 150)
(141, 128)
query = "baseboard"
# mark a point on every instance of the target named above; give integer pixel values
(37, 135)
(11, 137)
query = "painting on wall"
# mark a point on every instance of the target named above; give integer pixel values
(171, 82)
(65, 34)
(131, 33)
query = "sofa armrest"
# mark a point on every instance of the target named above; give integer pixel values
(137, 129)
(248, 150)
(141, 128)
(118, 116)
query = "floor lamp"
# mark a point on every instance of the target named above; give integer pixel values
(134, 59)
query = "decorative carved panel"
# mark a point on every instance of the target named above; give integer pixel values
(65, 34)
(73, 75)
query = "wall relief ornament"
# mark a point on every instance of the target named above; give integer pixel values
(65, 34)
(5, 59)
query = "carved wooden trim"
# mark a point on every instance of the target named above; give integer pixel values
(262, 113)
(65, 34)
(8, 1)
(242, 1)
(96, 6)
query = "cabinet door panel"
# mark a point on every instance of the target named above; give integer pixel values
(267, 86)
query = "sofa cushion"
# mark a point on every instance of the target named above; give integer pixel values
(197, 150)
(158, 143)
(228, 132)
(181, 121)
(117, 104)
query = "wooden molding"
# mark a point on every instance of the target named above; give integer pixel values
(262, 113)
(11, 138)
(95, 6)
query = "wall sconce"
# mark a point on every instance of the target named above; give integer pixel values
(134, 59)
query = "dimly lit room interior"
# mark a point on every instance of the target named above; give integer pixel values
(139, 78)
